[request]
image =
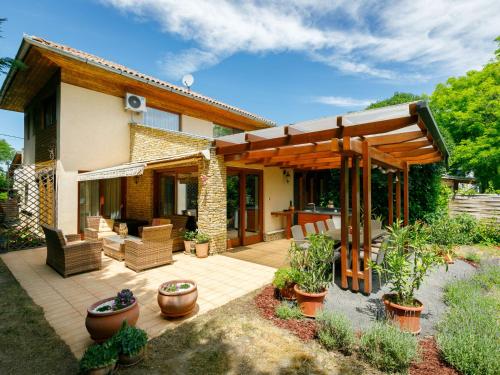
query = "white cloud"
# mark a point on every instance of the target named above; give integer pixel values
(341, 101)
(403, 39)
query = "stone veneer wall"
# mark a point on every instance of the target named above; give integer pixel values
(140, 196)
(148, 143)
(212, 201)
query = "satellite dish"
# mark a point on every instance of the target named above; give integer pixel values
(188, 80)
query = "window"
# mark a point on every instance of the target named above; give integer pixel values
(166, 195)
(49, 111)
(161, 119)
(220, 131)
(177, 193)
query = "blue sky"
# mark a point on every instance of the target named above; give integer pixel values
(285, 60)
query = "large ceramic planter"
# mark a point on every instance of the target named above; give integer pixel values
(309, 303)
(187, 247)
(127, 361)
(103, 325)
(288, 292)
(178, 303)
(406, 317)
(201, 250)
(102, 370)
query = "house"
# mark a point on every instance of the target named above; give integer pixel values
(189, 156)
(163, 162)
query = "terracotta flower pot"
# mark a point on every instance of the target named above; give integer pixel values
(126, 360)
(187, 247)
(178, 303)
(201, 250)
(309, 303)
(104, 325)
(288, 292)
(406, 317)
(102, 370)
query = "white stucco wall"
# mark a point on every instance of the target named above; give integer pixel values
(93, 134)
(197, 126)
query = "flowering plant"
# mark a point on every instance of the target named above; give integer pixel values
(123, 299)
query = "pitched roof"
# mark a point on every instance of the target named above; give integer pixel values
(134, 74)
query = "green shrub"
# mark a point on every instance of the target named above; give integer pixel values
(488, 232)
(3, 196)
(189, 235)
(287, 310)
(202, 238)
(387, 348)
(284, 277)
(469, 333)
(97, 356)
(335, 331)
(130, 340)
(315, 264)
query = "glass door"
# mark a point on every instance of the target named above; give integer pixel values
(244, 206)
(233, 209)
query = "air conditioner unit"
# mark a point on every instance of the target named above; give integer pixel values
(135, 103)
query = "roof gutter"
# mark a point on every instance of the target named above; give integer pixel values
(425, 114)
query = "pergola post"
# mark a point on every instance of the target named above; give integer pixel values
(390, 199)
(367, 215)
(406, 194)
(344, 218)
(398, 196)
(355, 222)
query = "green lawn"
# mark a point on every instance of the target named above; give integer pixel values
(28, 343)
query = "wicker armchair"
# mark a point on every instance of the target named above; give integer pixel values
(98, 228)
(155, 222)
(70, 257)
(154, 249)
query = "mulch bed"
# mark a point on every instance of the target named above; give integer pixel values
(473, 264)
(432, 362)
(266, 302)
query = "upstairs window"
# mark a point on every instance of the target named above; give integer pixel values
(161, 119)
(49, 111)
(220, 131)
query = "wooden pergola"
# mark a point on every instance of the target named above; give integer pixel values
(391, 138)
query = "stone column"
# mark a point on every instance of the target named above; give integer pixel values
(212, 202)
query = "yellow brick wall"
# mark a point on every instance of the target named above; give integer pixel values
(212, 201)
(147, 143)
(140, 196)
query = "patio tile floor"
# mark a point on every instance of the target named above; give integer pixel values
(220, 279)
(272, 254)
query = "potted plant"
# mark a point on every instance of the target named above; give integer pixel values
(408, 259)
(201, 244)
(189, 237)
(284, 280)
(99, 359)
(105, 317)
(131, 344)
(314, 272)
(177, 298)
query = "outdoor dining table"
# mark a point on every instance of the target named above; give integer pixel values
(335, 235)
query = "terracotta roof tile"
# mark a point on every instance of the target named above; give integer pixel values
(138, 75)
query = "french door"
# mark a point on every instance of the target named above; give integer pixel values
(244, 206)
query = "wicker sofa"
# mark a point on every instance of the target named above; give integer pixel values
(152, 250)
(68, 255)
(155, 222)
(98, 228)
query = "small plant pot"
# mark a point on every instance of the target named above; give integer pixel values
(201, 250)
(406, 317)
(103, 325)
(102, 370)
(309, 303)
(127, 360)
(179, 303)
(288, 292)
(187, 247)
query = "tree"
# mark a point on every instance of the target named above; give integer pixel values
(468, 107)
(6, 62)
(424, 181)
(6, 155)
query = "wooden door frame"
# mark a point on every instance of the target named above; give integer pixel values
(242, 173)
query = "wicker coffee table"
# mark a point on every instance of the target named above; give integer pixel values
(114, 246)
